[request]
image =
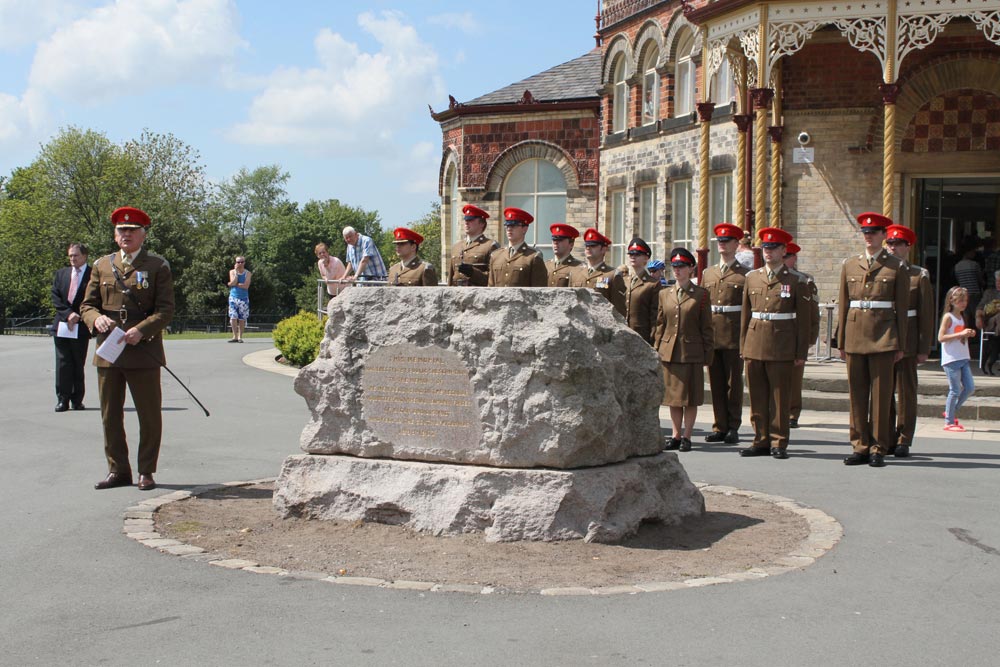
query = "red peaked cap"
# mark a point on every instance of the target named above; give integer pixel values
(772, 236)
(470, 212)
(873, 220)
(792, 248)
(727, 230)
(563, 230)
(128, 217)
(402, 235)
(902, 233)
(515, 216)
(594, 237)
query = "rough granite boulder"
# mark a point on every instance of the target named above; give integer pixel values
(508, 377)
(603, 504)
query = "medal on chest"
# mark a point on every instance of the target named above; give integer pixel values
(786, 291)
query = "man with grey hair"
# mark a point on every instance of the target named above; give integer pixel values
(363, 259)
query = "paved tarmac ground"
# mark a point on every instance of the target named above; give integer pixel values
(915, 580)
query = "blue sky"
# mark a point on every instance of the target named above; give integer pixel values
(334, 92)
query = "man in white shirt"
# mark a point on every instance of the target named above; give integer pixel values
(71, 346)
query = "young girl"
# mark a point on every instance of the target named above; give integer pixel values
(954, 339)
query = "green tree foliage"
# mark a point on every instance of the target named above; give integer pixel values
(250, 197)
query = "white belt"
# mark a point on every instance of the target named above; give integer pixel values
(911, 313)
(726, 309)
(866, 305)
(773, 316)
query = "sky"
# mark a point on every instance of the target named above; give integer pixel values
(335, 92)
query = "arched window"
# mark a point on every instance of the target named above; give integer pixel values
(650, 87)
(684, 76)
(619, 103)
(456, 226)
(723, 86)
(538, 187)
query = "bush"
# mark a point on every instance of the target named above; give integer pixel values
(298, 337)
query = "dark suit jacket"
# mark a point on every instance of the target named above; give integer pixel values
(60, 298)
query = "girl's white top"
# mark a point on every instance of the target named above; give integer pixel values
(954, 350)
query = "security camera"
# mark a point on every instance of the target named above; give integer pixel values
(804, 138)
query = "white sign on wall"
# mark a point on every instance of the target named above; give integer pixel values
(803, 155)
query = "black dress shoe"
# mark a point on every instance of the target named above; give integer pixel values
(114, 479)
(146, 483)
(778, 453)
(892, 450)
(793, 422)
(877, 461)
(716, 436)
(672, 443)
(79, 406)
(62, 406)
(685, 445)
(755, 451)
(900, 451)
(856, 459)
(732, 437)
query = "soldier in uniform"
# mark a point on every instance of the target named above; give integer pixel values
(470, 259)
(519, 265)
(410, 270)
(725, 376)
(684, 342)
(641, 290)
(596, 274)
(920, 319)
(792, 251)
(563, 263)
(874, 297)
(133, 290)
(774, 339)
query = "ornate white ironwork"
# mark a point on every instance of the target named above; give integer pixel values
(750, 41)
(789, 37)
(738, 66)
(865, 34)
(716, 51)
(989, 23)
(917, 31)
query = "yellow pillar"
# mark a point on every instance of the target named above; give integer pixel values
(889, 90)
(775, 131)
(761, 100)
(742, 125)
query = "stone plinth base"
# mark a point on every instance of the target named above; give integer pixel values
(599, 504)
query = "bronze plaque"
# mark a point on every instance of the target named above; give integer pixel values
(420, 397)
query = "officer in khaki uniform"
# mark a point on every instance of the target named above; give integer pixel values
(470, 259)
(921, 320)
(142, 316)
(596, 274)
(410, 271)
(518, 265)
(792, 251)
(684, 342)
(774, 340)
(563, 262)
(724, 283)
(873, 300)
(641, 290)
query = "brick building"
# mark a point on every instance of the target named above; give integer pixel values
(792, 114)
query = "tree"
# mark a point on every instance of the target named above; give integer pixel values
(250, 196)
(429, 226)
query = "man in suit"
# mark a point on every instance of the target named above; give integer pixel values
(133, 290)
(921, 321)
(792, 251)
(519, 265)
(874, 297)
(67, 294)
(470, 259)
(563, 262)
(596, 274)
(774, 339)
(724, 283)
(641, 295)
(410, 271)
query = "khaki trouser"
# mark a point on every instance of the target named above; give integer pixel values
(144, 385)
(725, 376)
(869, 379)
(903, 409)
(795, 406)
(770, 393)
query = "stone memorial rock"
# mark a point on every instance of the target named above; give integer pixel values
(504, 377)
(524, 414)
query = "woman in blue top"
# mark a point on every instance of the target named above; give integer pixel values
(239, 298)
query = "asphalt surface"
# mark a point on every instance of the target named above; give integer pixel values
(915, 580)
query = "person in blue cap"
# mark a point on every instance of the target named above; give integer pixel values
(655, 269)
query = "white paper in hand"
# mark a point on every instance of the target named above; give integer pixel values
(63, 330)
(112, 346)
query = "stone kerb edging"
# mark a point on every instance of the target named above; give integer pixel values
(824, 533)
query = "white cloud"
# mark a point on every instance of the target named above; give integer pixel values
(418, 169)
(132, 46)
(22, 23)
(21, 120)
(352, 102)
(464, 22)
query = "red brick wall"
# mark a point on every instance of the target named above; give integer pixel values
(960, 120)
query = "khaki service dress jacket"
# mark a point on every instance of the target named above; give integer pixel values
(605, 279)
(476, 252)
(726, 293)
(640, 297)
(559, 271)
(525, 268)
(414, 273)
(788, 296)
(683, 332)
(921, 320)
(866, 329)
